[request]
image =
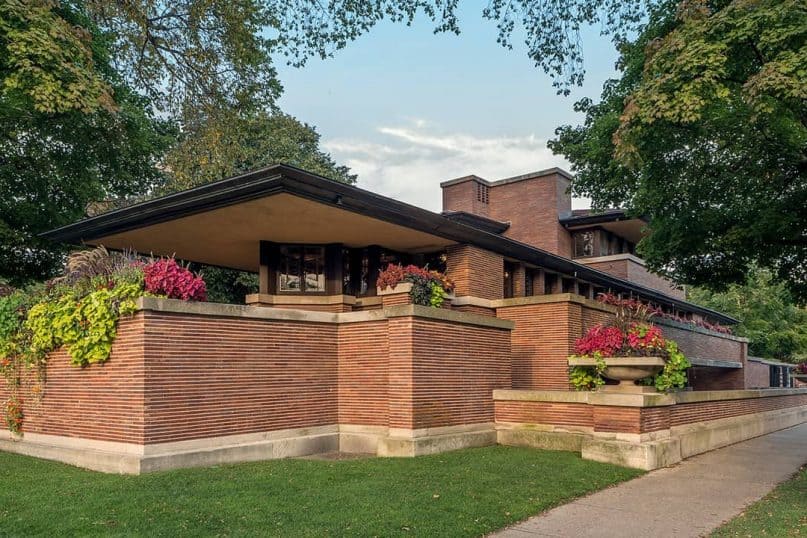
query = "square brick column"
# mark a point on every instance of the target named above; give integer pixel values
(475, 272)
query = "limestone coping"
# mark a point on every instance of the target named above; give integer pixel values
(267, 299)
(175, 306)
(638, 400)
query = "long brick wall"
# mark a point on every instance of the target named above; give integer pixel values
(213, 376)
(636, 419)
(183, 376)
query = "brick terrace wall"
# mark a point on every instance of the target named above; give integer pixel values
(103, 401)
(181, 376)
(475, 272)
(363, 373)
(455, 369)
(557, 413)
(211, 376)
(618, 419)
(543, 339)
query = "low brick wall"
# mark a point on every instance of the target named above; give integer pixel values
(643, 430)
(181, 374)
(640, 414)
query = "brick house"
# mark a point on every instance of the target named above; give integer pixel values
(321, 360)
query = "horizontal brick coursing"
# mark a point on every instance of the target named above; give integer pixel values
(102, 401)
(455, 369)
(174, 377)
(475, 272)
(562, 414)
(636, 420)
(696, 412)
(208, 376)
(363, 380)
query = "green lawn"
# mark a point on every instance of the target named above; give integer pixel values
(463, 493)
(783, 512)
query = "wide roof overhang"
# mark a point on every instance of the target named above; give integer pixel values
(615, 221)
(222, 224)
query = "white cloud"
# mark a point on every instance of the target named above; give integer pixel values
(409, 162)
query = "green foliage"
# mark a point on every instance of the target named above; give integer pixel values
(705, 133)
(227, 285)
(551, 29)
(437, 295)
(62, 145)
(86, 326)
(220, 144)
(588, 378)
(775, 326)
(673, 375)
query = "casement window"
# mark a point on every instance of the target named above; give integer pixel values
(583, 244)
(301, 269)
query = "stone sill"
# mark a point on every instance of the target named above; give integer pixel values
(282, 299)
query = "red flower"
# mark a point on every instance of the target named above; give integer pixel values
(605, 340)
(167, 277)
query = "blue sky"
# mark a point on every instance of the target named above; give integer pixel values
(407, 109)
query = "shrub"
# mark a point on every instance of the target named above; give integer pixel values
(429, 288)
(167, 278)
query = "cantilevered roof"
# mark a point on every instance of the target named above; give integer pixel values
(613, 220)
(222, 224)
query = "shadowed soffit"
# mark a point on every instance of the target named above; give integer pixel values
(222, 223)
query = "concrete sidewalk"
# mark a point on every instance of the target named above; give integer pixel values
(689, 499)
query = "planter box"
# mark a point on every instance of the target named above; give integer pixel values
(626, 370)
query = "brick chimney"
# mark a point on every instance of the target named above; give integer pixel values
(531, 203)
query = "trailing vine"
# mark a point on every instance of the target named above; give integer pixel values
(78, 312)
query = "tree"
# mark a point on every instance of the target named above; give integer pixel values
(70, 132)
(551, 29)
(705, 133)
(93, 94)
(221, 145)
(774, 324)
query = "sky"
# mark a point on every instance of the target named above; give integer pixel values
(406, 109)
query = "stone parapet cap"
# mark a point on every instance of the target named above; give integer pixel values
(282, 299)
(442, 314)
(175, 306)
(740, 394)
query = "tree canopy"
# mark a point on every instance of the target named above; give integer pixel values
(103, 103)
(71, 131)
(551, 30)
(775, 326)
(705, 133)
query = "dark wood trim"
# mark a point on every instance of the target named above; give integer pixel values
(334, 265)
(373, 268)
(267, 273)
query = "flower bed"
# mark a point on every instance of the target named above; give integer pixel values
(429, 288)
(79, 311)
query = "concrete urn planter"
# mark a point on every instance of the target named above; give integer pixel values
(626, 370)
